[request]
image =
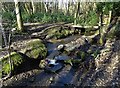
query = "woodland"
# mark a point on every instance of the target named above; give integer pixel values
(66, 43)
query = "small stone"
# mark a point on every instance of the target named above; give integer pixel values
(51, 78)
(52, 62)
(34, 34)
(60, 47)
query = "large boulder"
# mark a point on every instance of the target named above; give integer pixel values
(33, 48)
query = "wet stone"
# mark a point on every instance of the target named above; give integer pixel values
(52, 62)
(54, 68)
(62, 57)
(53, 54)
(60, 47)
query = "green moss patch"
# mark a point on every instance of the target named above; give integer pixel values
(58, 33)
(63, 33)
(16, 59)
(82, 55)
(35, 49)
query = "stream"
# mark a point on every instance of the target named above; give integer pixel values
(66, 75)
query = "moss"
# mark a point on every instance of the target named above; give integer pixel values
(81, 55)
(59, 33)
(73, 62)
(76, 62)
(16, 58)
(42, 64)
(36, 49)
(96, 53)
(69, 61)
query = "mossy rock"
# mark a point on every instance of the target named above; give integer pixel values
(16, 59)
(36, 49)
(42, 64)
(59, 33)
(73, 62)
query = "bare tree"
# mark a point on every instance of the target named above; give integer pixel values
(18, 16)
(33, 6)
(77, 12)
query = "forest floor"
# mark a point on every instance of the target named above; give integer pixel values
(101, 71)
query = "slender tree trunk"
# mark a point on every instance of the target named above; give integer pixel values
(41, 6)
(0, 39)
(27, 7)
(109, 19)
(77, 12)
(0, 30)
(101, 29)
(46, 7)
(18, 16)
(33, 6)
(68, 8)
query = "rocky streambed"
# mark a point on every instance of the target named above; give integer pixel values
(72, 60)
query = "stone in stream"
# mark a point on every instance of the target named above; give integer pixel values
(61, 46)
(47, 62)
(53, 54)
(62, 57)
(54, 68)
(51, 62)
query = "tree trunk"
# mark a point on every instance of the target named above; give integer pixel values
(18, 16)
(28, 7)
(33, 7)
(77, 12)
(109, 19)
(46, 7)
(0, 27)
(0, 36)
